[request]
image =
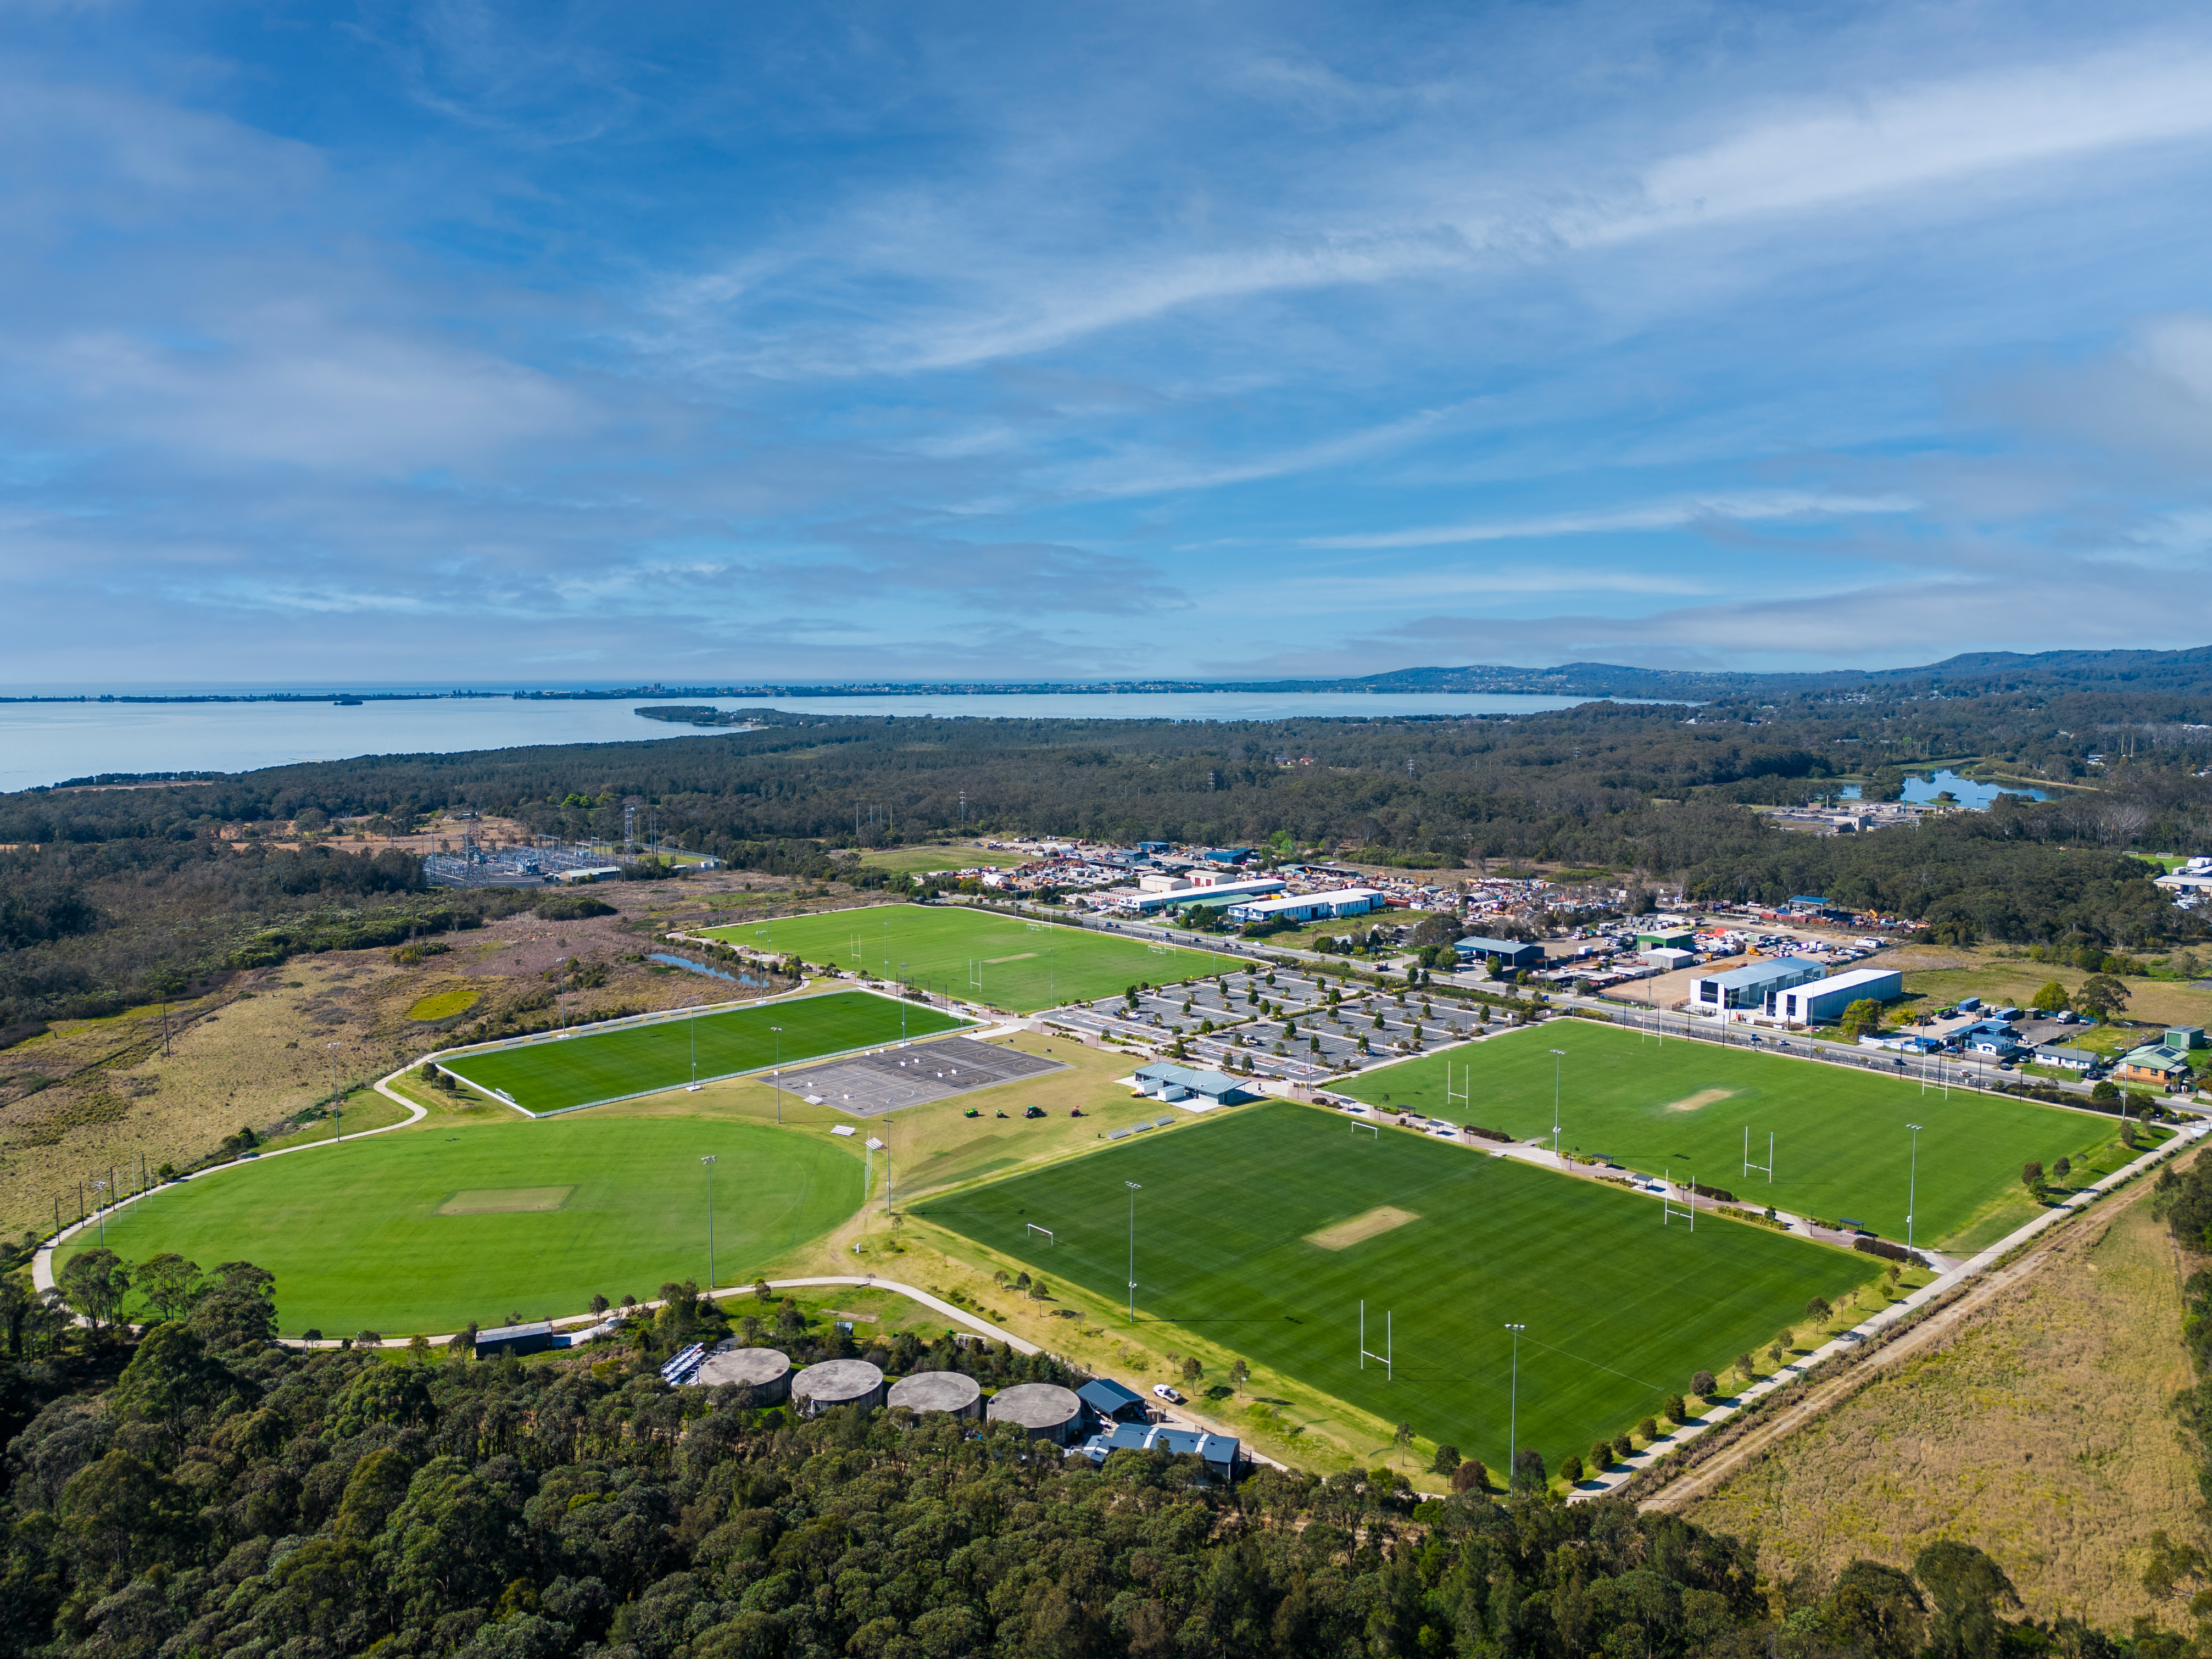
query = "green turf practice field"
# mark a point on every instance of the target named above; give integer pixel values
(1621, 1309)
(425, 1229)
(1024, 965)
(633, 1059)
(1841, 1145)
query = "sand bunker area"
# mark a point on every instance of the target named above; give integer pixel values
(1385, 1219)
(1703, 1097)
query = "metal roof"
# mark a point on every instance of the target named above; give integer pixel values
(1766, 972)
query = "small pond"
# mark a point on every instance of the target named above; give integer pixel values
(691, 966)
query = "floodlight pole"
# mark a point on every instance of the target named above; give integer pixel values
(1558, 1058)
(1134, 1189)
(1912, 1184)
(338, 1102)
(777, 1074)
(1513, 1409)
(692, 1025)
(709, 1162)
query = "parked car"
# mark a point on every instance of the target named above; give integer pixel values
(1167, 1393)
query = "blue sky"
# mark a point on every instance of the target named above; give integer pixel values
(463, 342)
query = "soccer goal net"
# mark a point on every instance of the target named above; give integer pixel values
(1047, 1232)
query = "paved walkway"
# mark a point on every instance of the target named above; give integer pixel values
(1973, 1268)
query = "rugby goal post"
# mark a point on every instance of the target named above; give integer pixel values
(1159, 950)
(1382, 1358)
(1765, 1168)
(1047, 1232)
(1668, 1210)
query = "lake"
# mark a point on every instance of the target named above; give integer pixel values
(44, 742)
(1925, 789)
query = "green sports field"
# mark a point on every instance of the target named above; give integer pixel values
(425, 1229)
(1841, 1143)
(635, 1059)
(1621, 1309)
(1024, 965)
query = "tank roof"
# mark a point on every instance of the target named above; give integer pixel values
(936, 1391)
(1035, 1405)
(836, 1380)
(731, 1363)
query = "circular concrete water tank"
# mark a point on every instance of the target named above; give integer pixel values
(766, 1371)
(836, 1383)
(1046, 1410)
(939, 1391)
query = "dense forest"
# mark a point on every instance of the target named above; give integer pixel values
(113, 894)
(198, 1490)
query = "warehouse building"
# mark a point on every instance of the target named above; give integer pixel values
(1822, 1003)
(1309, 906)
(1182, 891)
(1501, 952)
(1753, 987)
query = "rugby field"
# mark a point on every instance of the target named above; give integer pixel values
(1262, 1231)
(427, 1228)
(555, 1074)
(1022, 965)
(1841, 1143)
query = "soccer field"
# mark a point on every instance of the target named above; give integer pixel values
(1841, 1146)
(1023, 965)
(424, 1230)
(636, 1059)
(1620, 1310)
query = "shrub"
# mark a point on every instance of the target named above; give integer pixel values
(1881, 1247)
(1470, 1476)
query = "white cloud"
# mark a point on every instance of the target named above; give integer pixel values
(1658, 515)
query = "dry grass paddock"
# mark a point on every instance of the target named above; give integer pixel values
(2041, 1431)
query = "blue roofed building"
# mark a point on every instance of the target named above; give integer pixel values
(1173, 1083)
(1505, 952)
(1219, 1452)
(1112, 1401)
